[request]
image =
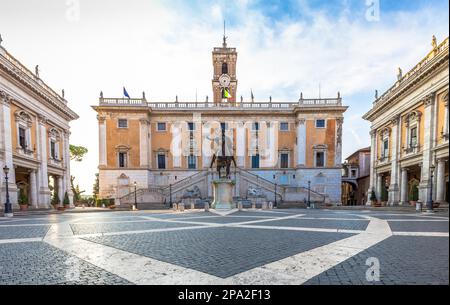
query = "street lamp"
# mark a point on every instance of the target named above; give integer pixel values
(8, 207)
(135, 192)
(170, 195)
(275, 193)
(309, 194)
(430, 195)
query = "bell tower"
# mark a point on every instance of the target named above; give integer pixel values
(224, 80)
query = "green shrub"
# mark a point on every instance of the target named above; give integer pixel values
(23, 199)
(105, 201)
(373, 196)
(55, 199)
(66, 200)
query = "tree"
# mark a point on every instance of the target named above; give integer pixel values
(96, 187)
(77, 152)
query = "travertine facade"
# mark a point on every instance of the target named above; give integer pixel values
(34, 135)
(409, 133)
(157, 144)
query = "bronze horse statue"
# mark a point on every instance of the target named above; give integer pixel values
(223, 161)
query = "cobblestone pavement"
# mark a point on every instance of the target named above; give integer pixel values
(291, 246)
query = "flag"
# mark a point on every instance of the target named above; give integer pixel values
(251, 92)
(125, 93)
(226, 94)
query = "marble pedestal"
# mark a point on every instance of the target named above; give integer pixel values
(223, 194)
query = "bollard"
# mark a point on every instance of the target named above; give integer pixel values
(270, 205)
(240, 206)
(418, 206)
(175, 207)
(206, 206)
(192, 206)
(181, 206)
(253, 205)
(264, 206)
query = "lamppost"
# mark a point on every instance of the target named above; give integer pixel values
(170, 195)
(275, 193)
(8, 207)
(135, 195)
(309, 194)
(430, 195)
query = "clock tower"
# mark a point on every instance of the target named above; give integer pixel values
(224, 80)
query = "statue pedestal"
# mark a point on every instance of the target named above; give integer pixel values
(223, 194)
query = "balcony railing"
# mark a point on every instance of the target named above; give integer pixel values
(235, 105)
(412, 149)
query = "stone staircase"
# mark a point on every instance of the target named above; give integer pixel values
(158, 197)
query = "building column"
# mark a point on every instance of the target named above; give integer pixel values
(59, 184)
(427, 154)
(373, 156)
(301, 142)
(66, 159)
(240, 144)
(102, 140)
(446, 115)
(338, 145)
(404, 187)
(6, 144)
(379, 186)
(394, 186)
(440, 181)
(44, 191)
(175, 146)
(143, 142)
(33, 189)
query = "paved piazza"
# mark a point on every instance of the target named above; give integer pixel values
(313, 247)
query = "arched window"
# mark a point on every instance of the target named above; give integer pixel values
(224, 68)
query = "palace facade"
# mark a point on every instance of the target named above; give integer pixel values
(165, 148)
(409, 133)
(34, 136)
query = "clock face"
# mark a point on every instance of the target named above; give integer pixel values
(224, 80)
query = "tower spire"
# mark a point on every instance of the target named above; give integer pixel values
(224, 36)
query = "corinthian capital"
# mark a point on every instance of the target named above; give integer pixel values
(429, 99)
(42, 119)
(101, 119)
(4, 97)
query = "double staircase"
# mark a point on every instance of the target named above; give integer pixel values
(160, 197)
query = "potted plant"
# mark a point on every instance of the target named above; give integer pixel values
(55, 202)
(23, 200)
(413, 192)
(66, 201)
(373, 198)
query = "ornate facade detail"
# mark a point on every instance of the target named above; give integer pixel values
(5, 98)
(42, 119)
(395, 119)
(429, 99)
(24, 117)
(54, 133)
(101, 119)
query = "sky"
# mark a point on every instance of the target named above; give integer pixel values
(164, 48)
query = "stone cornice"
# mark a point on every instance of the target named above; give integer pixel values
(436, 60)
(14, 69)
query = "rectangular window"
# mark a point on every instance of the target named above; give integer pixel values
(53, 149)
(255, 126)
(122, 159)
(22, 138)
(284, 160)
(223, 126)
(284, 126)
(413, 137)
(161, 126)
(192, 162)
(385, 151)
(320, 123)
(123, 123)
(255, 161)
(161, 161)
(191, 126)
(320, 159)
